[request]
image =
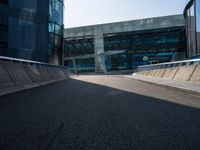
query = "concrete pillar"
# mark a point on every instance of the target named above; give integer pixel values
(99, 48)
(74, 66)
(54, 60)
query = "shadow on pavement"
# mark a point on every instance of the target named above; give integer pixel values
(77, 115)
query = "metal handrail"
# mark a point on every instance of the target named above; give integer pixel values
(168, 65)
(17, 60)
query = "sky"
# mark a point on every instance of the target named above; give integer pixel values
(91, 12)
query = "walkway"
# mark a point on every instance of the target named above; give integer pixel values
(99, 113)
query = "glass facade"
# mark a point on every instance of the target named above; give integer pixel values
(192, 15)
(140, 48)
(145, 47)
(27, 5)
(25, 42)
(77, 47)
(32, 29)
(82, 65)
(56, 8)
(3, 25)
(198, 25)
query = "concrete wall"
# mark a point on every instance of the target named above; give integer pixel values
(189, 73)
(16, 76)
(196, 74)
(126, 26)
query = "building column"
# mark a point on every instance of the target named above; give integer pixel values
(74, 66)
(54, 60)
(100, 65)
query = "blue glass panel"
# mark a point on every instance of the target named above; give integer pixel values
(28, 5)
(24, 39)
(56, 11)
(198, 24)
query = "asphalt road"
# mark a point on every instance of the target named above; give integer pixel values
(104, 113)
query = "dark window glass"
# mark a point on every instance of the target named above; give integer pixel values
(3, 36)
(28, 5)
(55, 27)
(3, 27)
(22, 37)
(3, 45)
(56, 11)
(4, 2)
(54, 44)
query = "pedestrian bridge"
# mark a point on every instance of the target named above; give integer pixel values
(92, 111)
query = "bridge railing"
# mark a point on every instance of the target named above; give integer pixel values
(18, 74)
(168, 65)
(23, 61)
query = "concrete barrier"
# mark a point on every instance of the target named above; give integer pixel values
(195, 77)
(17, 76)
(156, 73)
(187, 70)
(45, 73)
(152, 72)
(53, 72)
(170, 73)
(34, 73)
(5, 80)
(66, 72)
(184, 73)
(18, 73)
(61, 73)
(161, 73)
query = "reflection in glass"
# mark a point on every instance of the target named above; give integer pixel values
(198, 25)
(56, 11)
(55, 28)
(28, 5)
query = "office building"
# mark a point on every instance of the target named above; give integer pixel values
(32, 29)
(125, 45)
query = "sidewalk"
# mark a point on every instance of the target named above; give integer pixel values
(191, 87)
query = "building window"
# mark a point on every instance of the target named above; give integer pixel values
(3, 44)
(28, 5)
(3, 27)
(4, 2)
(198, 25)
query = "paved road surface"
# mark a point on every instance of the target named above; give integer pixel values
(104, 113)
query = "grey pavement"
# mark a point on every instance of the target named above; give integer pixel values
(99, 113)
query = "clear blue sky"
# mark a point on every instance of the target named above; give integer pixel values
(90, 12)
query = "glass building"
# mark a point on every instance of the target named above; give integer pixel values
(32, 29)
(125, 45)
(145, 47)
(192, 16)
(56, 8)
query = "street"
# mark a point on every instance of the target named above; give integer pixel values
(99, 113)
